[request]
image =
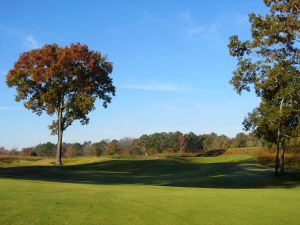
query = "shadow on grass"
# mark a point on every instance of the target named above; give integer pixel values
(168, 172)
(212, 153)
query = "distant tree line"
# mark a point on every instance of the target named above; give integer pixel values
(157, 143)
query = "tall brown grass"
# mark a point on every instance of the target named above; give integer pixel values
(267, 156)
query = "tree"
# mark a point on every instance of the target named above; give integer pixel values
(125, 145)
(240, 141)
(73, 150)
(270, 63)
(99, 148)
(264, 122)
(144, 142)
(65, 81)
(113, 148)
(208, 140)
(3, 151)
(192, 142)
(45, 150)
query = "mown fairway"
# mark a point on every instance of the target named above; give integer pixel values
(204, 190)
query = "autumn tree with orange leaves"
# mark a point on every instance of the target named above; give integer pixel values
(62, 81)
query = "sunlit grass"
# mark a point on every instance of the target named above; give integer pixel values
(228, 189)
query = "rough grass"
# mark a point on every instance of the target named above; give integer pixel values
(267, 157)
(227, 189)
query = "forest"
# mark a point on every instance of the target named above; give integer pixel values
(154, 144)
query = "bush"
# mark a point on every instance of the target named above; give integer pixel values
(33, 154)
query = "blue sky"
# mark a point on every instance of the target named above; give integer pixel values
(171, 65)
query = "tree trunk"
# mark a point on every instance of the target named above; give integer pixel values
(59, 138)
(282, 158)
(277, 155)
(278, 140)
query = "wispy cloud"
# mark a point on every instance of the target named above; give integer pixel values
(27, 40)
(184, 23)
(30, 42)
(155, 86)
(4, 108)
(10, 30)
(194, 29)
(145, 19)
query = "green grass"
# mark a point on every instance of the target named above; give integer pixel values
(232, 189)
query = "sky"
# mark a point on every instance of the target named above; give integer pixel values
(171, 65)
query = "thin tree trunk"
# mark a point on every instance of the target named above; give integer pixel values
(282, 158)
(278, 140)
(59, 138)
(277, 155)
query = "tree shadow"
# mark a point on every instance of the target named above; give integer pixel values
(177, 172)
(212, 153)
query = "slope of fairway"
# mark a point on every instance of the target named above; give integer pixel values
(231, 189)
